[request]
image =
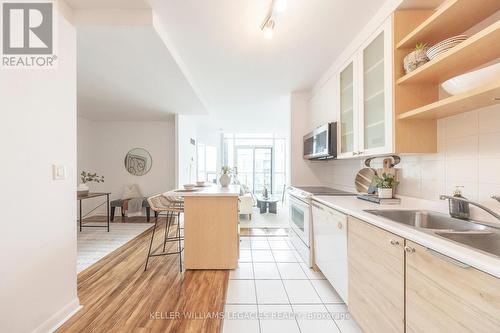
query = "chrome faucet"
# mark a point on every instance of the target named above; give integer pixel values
(486, 209)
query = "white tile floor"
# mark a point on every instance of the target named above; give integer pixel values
(274, 291)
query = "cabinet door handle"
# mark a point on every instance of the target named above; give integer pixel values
(409, 249)
(394, 242)
(339, 225)
(448, 259)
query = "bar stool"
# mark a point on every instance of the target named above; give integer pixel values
(172, 209)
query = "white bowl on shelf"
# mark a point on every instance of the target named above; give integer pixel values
(189, 186)
(472, 80)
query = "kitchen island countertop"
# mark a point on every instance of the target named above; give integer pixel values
(207, 191)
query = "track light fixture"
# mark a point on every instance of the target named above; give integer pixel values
(268, 28)
(277, 7)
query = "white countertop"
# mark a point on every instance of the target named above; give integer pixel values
(208, 191)
(354, 207)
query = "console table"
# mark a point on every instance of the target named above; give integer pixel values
(81, 197)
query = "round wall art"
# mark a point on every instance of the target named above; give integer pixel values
(138, 161)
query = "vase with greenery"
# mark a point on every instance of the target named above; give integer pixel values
(416, 58)
(385, 185)
(225, 178)
(88, 177)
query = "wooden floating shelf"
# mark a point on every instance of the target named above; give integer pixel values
(451, 18)
(475, 99)
(475, 51)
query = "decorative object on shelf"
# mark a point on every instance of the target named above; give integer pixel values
(138, 161)
(472, 80)
(385, 185)
(416, 58)
(87, 177)
(225, 178)
(444, 46)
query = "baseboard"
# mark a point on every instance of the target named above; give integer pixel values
(59, 318)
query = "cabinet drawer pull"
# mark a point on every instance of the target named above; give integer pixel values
(409, 249)
(394, 242)
(448, 259)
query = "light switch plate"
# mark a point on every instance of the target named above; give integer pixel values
(58, 172)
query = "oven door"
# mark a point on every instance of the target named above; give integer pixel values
(299, 218)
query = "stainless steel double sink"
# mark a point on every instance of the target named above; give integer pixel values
(469, 233)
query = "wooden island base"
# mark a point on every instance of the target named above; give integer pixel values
(211, 238)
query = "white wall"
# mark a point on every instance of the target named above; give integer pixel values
(301, 171)
(102, 146)
(38, 238)
(185, 128)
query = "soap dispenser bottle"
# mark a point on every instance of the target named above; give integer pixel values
(459, 209)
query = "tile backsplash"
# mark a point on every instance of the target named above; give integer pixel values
(468, 155)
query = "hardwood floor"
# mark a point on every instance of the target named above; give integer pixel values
(118, 296)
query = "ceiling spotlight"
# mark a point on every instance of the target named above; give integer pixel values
(268, 28)
(280, 6)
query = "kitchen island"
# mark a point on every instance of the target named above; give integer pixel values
(211, 235)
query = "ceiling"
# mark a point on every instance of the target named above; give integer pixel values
(127, 73)
(236, 69)
(219, 49)
(108, 4)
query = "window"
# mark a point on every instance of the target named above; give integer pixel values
(259, 160)
(207, 163)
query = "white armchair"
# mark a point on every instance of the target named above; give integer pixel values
(246, 204)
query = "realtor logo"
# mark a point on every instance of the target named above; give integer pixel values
(27, 34)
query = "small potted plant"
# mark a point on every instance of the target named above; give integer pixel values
(385, 185)
(416, 58)
(87, 177)
(225, 178)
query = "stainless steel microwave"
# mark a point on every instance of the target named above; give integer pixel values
(321, 143)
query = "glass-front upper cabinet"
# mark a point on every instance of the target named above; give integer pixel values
(347, 127)
(365, 98)
(375, 91)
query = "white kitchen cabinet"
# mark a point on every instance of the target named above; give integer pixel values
(330, 246)
(322, 106)
(348, 122)
(365, 98)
